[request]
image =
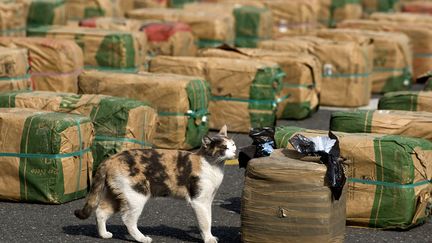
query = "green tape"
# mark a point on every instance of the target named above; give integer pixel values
(352, 121)
(43, 12)
(346, 75)
(283, 134)
(11, 79)
(404, 100)
(298, 111)
(46, 156)
(112, 69)
(205, 43)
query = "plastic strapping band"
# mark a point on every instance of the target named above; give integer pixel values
(390, 184)
(45, 156)
(128, 140)
(27, 76)
(423, 55)
(112, 69)
(346, 75)
(57, 74)
(80, 156)
(302, 86)
(244, 100)
(390, 70)
(193, 114)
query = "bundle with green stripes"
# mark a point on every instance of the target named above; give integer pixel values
(347, 66)
(161, 3)
(407, 100)
(119, 123)
(13, 21)
(300, 87)
(404, 123)
(46, 12)
(244, 92)
(14, 69)
(181, 102)
(335, 11)
(389, 177)
(45, 156)
(82, 9)
(371, 6)
(103, 49)
(428, 86)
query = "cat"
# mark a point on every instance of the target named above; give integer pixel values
(125, 181)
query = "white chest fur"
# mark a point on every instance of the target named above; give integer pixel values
(211, 176)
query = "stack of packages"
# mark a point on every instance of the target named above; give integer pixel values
(301, 85)
(46, 12)
(211, 28)
(392, 62)
(164, 38)
(54, 64)
(346, 67)
(334, 11)
(161, 3)
(14, 69)
(371, 6)
(103, 49)
(244, 92)
(45, 156)
(119, 123)
(408, 101)
(424, 7)
(82, 9)
(13, 17)
(389, 176)
(181, 102)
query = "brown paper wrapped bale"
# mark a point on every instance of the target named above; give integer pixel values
(420, 35)
(286, 199)
(389, 177)
(402, 17)
(211, 29)
(55, 64)
(14, 69)
(45, 156)
(371, 6)
(244, 92)
(102, 48)
(392, 62)
(82, 9)
(423, 7)
(335, 11)
(13, 17)
(181, 101)
(346, 67)
(150, 4)
(408, 101)
(302, 83)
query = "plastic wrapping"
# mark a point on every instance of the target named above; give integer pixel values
(262, 146)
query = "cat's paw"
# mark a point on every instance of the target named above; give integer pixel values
(211, 239)
(144, 239)
(106, 235)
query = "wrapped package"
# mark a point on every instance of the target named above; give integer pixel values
(14, 67)
(371, 6)
(82, 9)
(301, 85)
(346, 67)
(181, 102)
(392, 59)
(335, 11)
(161, 3)
(244, 92)
(46, 12)
(13, 17)
(428, 86)
(55, 64)
(286, 199)
(211, 28)
(402, 17)
(420, 35)
(45, 156)
(423, 7)
(119, 123)
(408, 101)
(404, 123)
(389, 183)
(102, 48)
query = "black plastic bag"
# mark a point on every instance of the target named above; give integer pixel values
(262, 146)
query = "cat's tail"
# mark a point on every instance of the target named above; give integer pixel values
(93, 197)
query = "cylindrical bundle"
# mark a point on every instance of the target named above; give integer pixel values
(124, 50)
(244, 92)
(14, 66)
(404, 123)
(181, 102)
(428, 86)
(82, 9)
(402, 17)
(334, 11)
(301, 86)
(47, 12)
(119, 123)
(408, 100)
(13, 17)
(392, 59)
(371, 6)
(45, 156)
(424, 7)
(389, 177)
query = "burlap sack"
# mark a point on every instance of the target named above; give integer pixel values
(14, 69)
(301, 86)
(45, 156)
(244, 92)
(127, 5)
(181, 102)
(405, 123)
(392, 62)
(346, 67)
(285, 199)
(389, 177)
(111, 23)
(211, 29)
(150, 4)
(13, 17)
(371, 6)
(335, 11)
(55, 64)
(402, 17)
(119, 123)
(82, 9)
(423, 7)
(47, 12)
(419, 34)
(102, 48)
(409, 101)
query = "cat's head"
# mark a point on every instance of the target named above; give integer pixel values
(219, 147)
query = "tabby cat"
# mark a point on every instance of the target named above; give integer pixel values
(124, 182)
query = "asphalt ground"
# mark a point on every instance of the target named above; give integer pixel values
(169, 220)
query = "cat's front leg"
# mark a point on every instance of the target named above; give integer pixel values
(202, 209)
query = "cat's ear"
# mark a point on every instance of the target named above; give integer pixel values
(223, 131)
(206, 141)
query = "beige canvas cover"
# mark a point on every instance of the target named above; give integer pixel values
(13, 17)
(335, 11)
(14, 69)
(55, 64)
(82, 9)
(286, 199)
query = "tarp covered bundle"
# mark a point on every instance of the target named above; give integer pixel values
(244, 92)
(371, 6)
(389, 177)
(335, 11)
(45, 156)
(47, 12)
(13, 17)
(14, 69)
(181, 102)
(408, 101)
(82, 9)
(119, 123)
